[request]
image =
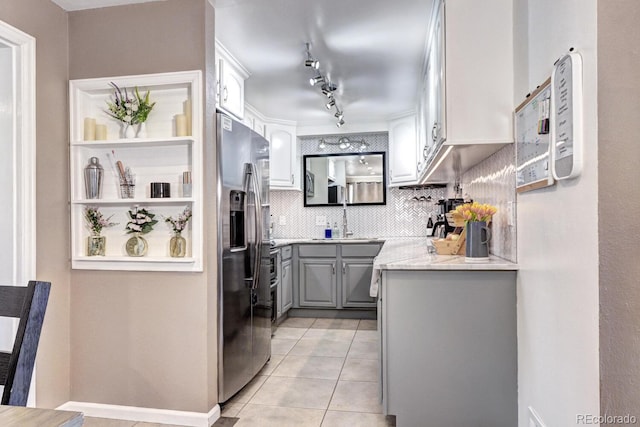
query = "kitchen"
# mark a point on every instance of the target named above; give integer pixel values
(115, 319)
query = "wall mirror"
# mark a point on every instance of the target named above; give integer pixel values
(354, 178)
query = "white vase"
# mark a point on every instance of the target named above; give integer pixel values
(142, 130)
(129, 132)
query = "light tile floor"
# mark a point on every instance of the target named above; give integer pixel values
(322, 373)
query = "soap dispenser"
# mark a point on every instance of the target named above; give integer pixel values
(335, 233)
(327, 231)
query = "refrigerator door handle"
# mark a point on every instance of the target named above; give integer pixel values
(250, 169)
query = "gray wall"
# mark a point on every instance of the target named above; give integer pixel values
(141, 338)
(47, 23)
(618, 205)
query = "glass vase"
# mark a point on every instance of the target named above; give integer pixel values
(136, 246)
(96, 245)
(178, 246)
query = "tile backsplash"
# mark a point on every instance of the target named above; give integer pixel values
(493, 181)
(401, 216)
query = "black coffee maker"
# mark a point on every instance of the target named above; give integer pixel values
(441, 227)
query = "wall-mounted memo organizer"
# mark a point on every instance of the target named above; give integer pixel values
(533, 138)
(566, 83)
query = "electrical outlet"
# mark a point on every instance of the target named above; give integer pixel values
(321, 220)
(282, 220)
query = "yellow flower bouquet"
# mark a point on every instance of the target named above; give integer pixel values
(474, 212)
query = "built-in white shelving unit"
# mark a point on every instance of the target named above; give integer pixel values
(159, 157)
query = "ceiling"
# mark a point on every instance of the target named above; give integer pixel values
(372, 49)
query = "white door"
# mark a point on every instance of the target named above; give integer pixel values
(17, 163)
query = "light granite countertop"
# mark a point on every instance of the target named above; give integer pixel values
(413, 254)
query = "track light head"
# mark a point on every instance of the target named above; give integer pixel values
(313, 63)
(340, 123)
(316, 80)
(330, 104)
(338, 115)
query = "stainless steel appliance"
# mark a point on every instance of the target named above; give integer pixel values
(244, 297)
(441, 227)
(274, 282)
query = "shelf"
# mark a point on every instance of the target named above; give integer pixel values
(135, 142)
(145, 201)
(160, 157)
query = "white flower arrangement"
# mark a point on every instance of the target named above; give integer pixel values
(141, 221)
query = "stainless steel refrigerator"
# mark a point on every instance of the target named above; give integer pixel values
(244, 298)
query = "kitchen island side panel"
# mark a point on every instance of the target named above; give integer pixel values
(449, 347)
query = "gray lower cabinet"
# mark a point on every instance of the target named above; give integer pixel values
(356, 280)
(335, 275)
(286, 282)
(318, 282)
(449, 347)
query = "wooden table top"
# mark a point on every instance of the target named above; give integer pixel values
(19, 416)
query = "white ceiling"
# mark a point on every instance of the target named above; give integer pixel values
(372, 49)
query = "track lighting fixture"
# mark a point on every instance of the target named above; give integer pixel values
(310, 62)
(344, 143)
(328, 89)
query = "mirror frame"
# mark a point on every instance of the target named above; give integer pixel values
(306, 188)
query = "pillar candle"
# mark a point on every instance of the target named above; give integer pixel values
(187, 112)
(89, 129)
(181, 125)
(101, 132)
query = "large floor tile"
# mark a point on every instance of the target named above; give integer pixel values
(294, 393)
(289, 333)
(282, 346)
(360, 370)
(368, 325)
(336, 324)
(272, 364)
(356, 396)
(298, 322)
(364, 350)
(356, 419)
(269, 416)
(326, 368)
(249, 390)
(362, 335)
(320, 347)
(331, 334)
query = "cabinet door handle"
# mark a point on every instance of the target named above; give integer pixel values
(284, 273)
(333, 269)
(291, 178)
(344, 268)
(218, 89)
(226, 94)
(434, 131)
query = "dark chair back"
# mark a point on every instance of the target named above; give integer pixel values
(27, 303)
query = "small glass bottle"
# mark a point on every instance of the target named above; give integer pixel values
(335, 233)
(186, 184)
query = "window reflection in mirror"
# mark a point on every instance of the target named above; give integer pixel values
(354, 178)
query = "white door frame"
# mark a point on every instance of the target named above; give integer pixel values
(23, 47)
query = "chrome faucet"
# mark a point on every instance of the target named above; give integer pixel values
(345, 227)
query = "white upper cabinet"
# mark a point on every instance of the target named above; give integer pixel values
(284, 156)
(478, 41)
(230, 83)
(403, 157)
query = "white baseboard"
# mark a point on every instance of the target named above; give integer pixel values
(149, 415)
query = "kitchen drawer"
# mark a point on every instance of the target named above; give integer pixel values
(321, 250)
(360, 250)
(286, 252)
